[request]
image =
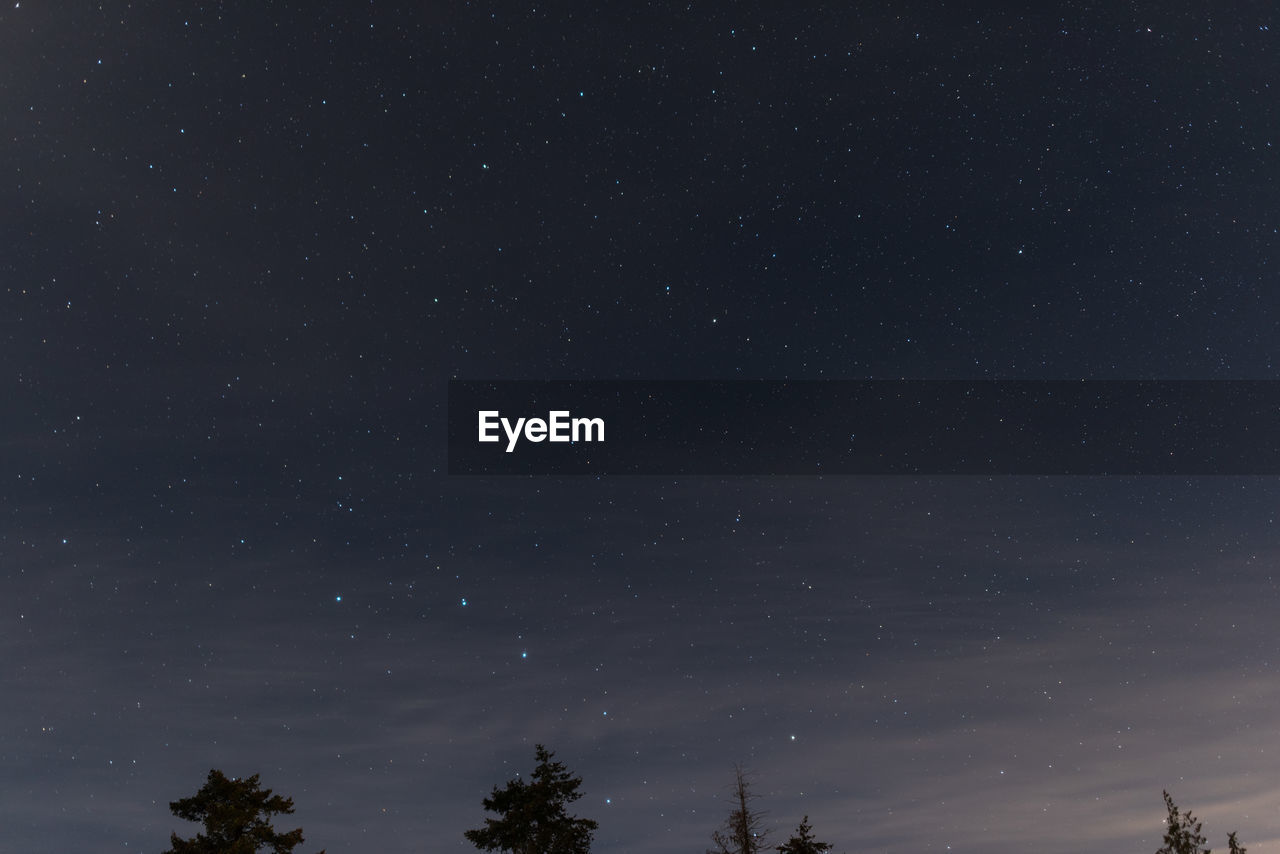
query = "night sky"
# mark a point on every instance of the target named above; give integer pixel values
(246, 246)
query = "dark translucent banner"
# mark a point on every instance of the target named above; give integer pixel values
(864, 427)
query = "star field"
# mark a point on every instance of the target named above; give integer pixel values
(247, 248)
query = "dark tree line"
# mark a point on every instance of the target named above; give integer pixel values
(533, 819)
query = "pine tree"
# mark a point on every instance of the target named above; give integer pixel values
(236, 814)
(534, 819)
(1182, 835)
(743, 831)
(802, 841)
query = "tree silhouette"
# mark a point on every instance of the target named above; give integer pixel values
(534, 819)
(802, 841)
(744, 831)
(1183, 836)
(236, 814)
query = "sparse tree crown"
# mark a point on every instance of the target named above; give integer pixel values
(743, 831)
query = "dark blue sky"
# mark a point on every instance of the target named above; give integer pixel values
(246, 247)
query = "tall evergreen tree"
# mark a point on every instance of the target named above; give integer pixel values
(236, 814)
(743, 831)
(533, 815)
(802, 841)
(1182, 834)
